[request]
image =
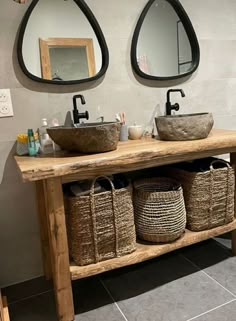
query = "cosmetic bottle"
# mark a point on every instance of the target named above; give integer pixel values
(46, 144)
(32, 148)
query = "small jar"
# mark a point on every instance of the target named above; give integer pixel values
(136, 132)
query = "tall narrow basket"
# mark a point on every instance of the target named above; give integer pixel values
(159, 209)
(100, 226)
(209, 195)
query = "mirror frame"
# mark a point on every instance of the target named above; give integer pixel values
(97, 30)
(190, 33)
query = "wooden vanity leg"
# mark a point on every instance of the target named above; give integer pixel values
(43, 225)
(233, 233)
(59, 249)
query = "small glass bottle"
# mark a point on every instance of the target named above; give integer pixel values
(31, 143)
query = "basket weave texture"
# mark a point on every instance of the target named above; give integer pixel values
(159, 209)
(100, 226)
(209, 195)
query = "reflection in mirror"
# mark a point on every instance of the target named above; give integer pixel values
(164, 45)
(61, 42)
(79, 62)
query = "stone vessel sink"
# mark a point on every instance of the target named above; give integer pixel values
(87, 137)
(184, 127)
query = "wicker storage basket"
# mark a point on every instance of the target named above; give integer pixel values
(209, 195)
(100, 226)
(159, 209)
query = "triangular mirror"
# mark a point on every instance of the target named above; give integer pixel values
(164, 44)
(61, 42)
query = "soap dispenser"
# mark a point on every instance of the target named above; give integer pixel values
(46, 144)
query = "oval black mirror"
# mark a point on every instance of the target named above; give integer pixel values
(164, 44)
(61, 42)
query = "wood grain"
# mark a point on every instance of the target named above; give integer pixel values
(45, 60)
(44, 228)
(4, 314)
(59, 249)
(130, 155)
(1, 307)
(147, 251)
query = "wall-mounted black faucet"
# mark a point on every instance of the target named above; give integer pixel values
(170, 107)
(76, 115)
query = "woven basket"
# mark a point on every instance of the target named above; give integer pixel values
(100, 226)
(159, 209)
(209, 195)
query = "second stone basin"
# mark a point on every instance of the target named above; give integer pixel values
(184, 127)
(87, 137)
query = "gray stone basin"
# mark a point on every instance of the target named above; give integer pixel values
(87, 137)
(184, 127)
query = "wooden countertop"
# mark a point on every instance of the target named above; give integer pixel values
(130, 155)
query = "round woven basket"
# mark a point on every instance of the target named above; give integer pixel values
(159, 209)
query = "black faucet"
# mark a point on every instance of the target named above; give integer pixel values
(76, 115)
(170, 107)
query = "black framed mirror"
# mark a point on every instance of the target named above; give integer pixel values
(164, 44)
(60, 42)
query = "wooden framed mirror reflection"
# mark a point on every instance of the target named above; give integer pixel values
(80, 62)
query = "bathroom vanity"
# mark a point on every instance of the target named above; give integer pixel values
(50, 172)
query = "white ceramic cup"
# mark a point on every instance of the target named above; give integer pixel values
(136, 131)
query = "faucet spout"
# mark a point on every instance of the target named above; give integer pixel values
(76, 115)
(170, 107)
(75, 98)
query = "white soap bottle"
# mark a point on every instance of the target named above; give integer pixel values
(46, 144)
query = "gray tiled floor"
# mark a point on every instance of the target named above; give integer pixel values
(195, 283)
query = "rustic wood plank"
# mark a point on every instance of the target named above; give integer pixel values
(147, 251)
(59, 249)
(130, 155)
(6, 316)
(44, 228)
(1, 307)
(233, 236)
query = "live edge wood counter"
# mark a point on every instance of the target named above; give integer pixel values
(49, 173)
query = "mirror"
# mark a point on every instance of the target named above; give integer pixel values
(61, 42)
(164, 44)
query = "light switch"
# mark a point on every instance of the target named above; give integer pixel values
(6, 109)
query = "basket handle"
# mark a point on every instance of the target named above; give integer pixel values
(212, 182)
(95, 180)
(93, 214)
(218, 161)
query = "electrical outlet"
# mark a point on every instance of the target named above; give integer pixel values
(6, 109)
(3, 96)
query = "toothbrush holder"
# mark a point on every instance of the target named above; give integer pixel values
(123, 132)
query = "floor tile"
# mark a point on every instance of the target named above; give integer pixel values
(224, 240)
(216, 261)
(27, 289)
(38, 308)
(224, 313)
(165, 289)
(92, 303)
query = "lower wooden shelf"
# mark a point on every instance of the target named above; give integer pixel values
(147, 251)
(4, 314)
